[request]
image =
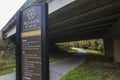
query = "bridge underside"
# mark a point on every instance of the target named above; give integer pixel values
(85, 19)
(82, 19)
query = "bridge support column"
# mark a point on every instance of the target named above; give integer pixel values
(112, 49)
(108, 46)
(117, 50)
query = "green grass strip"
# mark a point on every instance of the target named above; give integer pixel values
(86, 72)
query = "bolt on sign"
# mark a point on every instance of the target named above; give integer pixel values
(32, 35)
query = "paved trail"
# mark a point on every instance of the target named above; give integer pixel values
(57, 69)
(10, 76)
(60, 68)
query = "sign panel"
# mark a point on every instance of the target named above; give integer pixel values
(31, 41)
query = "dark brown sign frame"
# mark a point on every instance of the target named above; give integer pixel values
(43, 39)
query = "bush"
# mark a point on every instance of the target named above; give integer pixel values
(96, 44)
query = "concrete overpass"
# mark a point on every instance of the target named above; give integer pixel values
(80, 19)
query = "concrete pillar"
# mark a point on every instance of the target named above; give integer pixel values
(117, 50)
(108, 46)
(112, 49)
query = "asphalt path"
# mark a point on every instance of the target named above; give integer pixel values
(60, 68)
(11, 76)
(57, 69)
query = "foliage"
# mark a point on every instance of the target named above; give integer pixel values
(7, 48)
(7, 65)
(96, 44)
(2, 44)
(7, 57)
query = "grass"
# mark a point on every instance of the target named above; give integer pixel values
(72, 51)
(93, 51)
(87, 50)
(54, 58)
(7, 65)
(87, 72)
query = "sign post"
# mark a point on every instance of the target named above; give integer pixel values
(32, 43)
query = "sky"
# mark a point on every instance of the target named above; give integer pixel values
(7, 9)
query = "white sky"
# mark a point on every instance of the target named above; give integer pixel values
(7, 9)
